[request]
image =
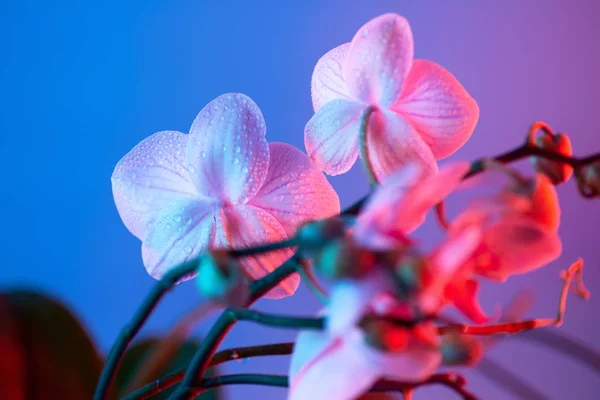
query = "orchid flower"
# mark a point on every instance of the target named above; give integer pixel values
(420, 112)
(519, 235)
(220, 186)
(520, 231)
(339, 363)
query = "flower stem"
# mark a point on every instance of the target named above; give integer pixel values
(221, 357)
(452, 381)
(132, 328)
(222, 326)
(364, 147)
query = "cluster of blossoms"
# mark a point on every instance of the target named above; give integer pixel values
(222, 186)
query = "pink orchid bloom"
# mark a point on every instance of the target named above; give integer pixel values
(339, 364)
(421, 112)
(325, 367)
(401, 202)
(519, 235)
(220, 186)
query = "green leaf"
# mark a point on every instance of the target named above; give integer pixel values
(46, 353)
(136, 358)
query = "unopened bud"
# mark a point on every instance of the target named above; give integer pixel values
(558, 172)
(589, 180)
(313, 235)
(385, 335)
(460, 350)
(220, 278)
(344, 259)
(409, 272)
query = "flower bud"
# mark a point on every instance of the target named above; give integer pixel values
(589, 180)
(460, 350)
(409, 272)
(384, 335)
(313, 235)
(220, 278)
(557, 172)
(344, 259)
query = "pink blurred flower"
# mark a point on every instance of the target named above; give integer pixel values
(422, 113)
(519, 235)
(400, 203)
(220, 186)
(325, 367)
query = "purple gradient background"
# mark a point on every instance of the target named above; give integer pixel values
(81, 84)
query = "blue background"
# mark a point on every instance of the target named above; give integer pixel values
(81, 83)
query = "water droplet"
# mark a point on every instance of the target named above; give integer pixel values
(191, 168)
(188, 249)
(177, 218)
(203, 154)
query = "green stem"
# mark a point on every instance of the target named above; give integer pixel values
(364, 148)
(454, 382)
(132, 328)
(222, 326)
(221, 357)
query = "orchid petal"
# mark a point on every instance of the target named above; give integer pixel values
(327, 82)
(151, 177)
(393, 143)
(379, 59)
(462, 293)
(517, 246)
(425, 195)
(438, 106)
(331, 135)
(227, 154)
(337, 372)
(308, 345)
(545, 208)
(295, 191)
(415, 363)
(349, 299)
(241, 227)
(181, 232)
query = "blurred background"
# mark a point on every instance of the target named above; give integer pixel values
(81, 83)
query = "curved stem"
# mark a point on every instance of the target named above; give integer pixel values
(132, 328)
(364, 147)
(223, 325)
(221, 357)
(454, 382)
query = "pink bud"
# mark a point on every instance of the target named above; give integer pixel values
(557, 172)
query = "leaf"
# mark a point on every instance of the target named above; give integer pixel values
(136, 358)
(46, 352)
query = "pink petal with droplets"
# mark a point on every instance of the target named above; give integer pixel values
(151, 177)
(295, 191)
(393, 143)
(240, 227)
(327, 82)
(227, 154)
(379, 59)
(331, 135)
(438, 106)
(337, 372)
(179, 233)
